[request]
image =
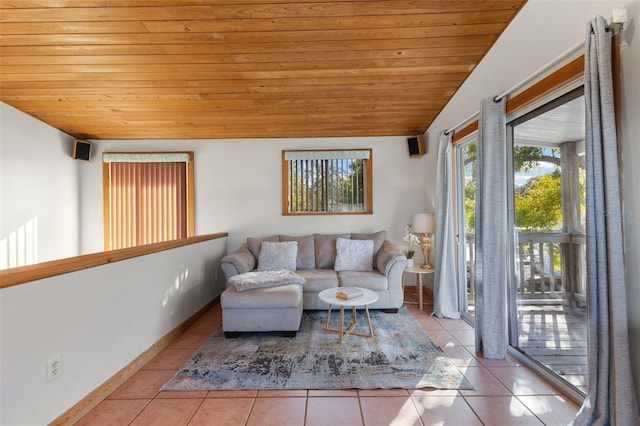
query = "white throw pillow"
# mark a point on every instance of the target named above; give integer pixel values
(278, 256)
(354, 255)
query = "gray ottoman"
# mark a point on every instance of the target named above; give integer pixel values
(262, 309)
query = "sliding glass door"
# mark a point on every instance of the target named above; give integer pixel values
(546, 275)
(465, 160)
(548, 318)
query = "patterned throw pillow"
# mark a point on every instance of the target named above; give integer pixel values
(354, 255)
(278, 256)
(254, 244)
(377, 238)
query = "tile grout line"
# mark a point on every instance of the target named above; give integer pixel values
(253, 404)
(141, 411)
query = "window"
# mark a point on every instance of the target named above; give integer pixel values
(148, 198)
(466, 179)
(327, 182)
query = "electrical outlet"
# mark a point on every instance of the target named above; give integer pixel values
(54, 368)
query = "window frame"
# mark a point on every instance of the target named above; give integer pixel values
(368, 184)
(190, 190)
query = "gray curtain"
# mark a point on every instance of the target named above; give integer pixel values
(611, 398)
(491, 231)
(445, 284)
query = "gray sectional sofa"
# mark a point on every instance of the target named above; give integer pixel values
(324, 261)
(316, 257)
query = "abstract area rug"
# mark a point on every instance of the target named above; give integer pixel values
(401, 355)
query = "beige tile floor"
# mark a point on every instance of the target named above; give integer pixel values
(506, 392)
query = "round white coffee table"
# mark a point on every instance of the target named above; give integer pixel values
(329, 296)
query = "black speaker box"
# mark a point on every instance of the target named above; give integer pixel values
(82, 150)
(416, 146)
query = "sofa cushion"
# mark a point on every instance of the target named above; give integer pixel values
(318, 279)
(326, 249)
(263, 279)
(371, 280)
(306, 251)
(278, 256)
(254, 244)
(354, 255)
(377, 238)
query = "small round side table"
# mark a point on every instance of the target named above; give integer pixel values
(420, 272)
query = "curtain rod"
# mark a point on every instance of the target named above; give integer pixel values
(471, 117)
(541, 70)
(616, 27)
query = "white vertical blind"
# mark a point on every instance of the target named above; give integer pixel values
(326, 185)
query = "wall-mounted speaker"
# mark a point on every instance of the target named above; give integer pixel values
(416, 146)
(82, 150)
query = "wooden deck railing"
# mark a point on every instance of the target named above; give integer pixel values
(548, 266)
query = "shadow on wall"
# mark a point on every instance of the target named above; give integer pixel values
(193, 287)
(177, 286)
(20, 247)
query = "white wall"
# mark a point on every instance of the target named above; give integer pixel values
(542, 31)
(238, 187)
(38, 189)
(98, 320)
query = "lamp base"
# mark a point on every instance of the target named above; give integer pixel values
(426, 251)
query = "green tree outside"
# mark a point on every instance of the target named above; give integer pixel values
(351, 187)
(538, 202)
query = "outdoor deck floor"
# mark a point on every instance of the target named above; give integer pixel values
(556, 336)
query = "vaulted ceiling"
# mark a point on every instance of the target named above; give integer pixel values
(193, 69)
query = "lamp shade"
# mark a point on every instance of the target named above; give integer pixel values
(422, 223)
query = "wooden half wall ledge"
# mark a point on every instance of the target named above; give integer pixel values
(25, 274)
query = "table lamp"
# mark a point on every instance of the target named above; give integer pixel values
(423, 224)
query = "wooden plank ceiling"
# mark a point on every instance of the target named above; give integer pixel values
(193, 69)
